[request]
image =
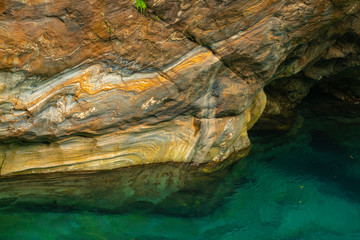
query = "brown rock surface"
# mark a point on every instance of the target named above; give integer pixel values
(94, 85)
(263, 41)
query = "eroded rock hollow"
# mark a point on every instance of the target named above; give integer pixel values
(96, 85)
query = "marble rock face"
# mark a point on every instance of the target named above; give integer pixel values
(97, 85)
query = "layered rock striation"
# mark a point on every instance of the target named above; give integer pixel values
(96, 85)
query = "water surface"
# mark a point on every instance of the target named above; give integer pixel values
(301, 185)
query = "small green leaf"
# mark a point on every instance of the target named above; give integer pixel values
(140, 4)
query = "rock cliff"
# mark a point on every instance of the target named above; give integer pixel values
(97, 85)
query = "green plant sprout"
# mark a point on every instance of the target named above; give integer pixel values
(140, 4)
(108, 27)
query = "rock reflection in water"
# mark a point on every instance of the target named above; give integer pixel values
(168, 188)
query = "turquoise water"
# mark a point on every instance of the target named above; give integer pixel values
(302, 185)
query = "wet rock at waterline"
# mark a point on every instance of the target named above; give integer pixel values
(97, 85)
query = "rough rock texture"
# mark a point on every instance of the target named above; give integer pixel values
(91, 85)
(335, 71)
(96, 85)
